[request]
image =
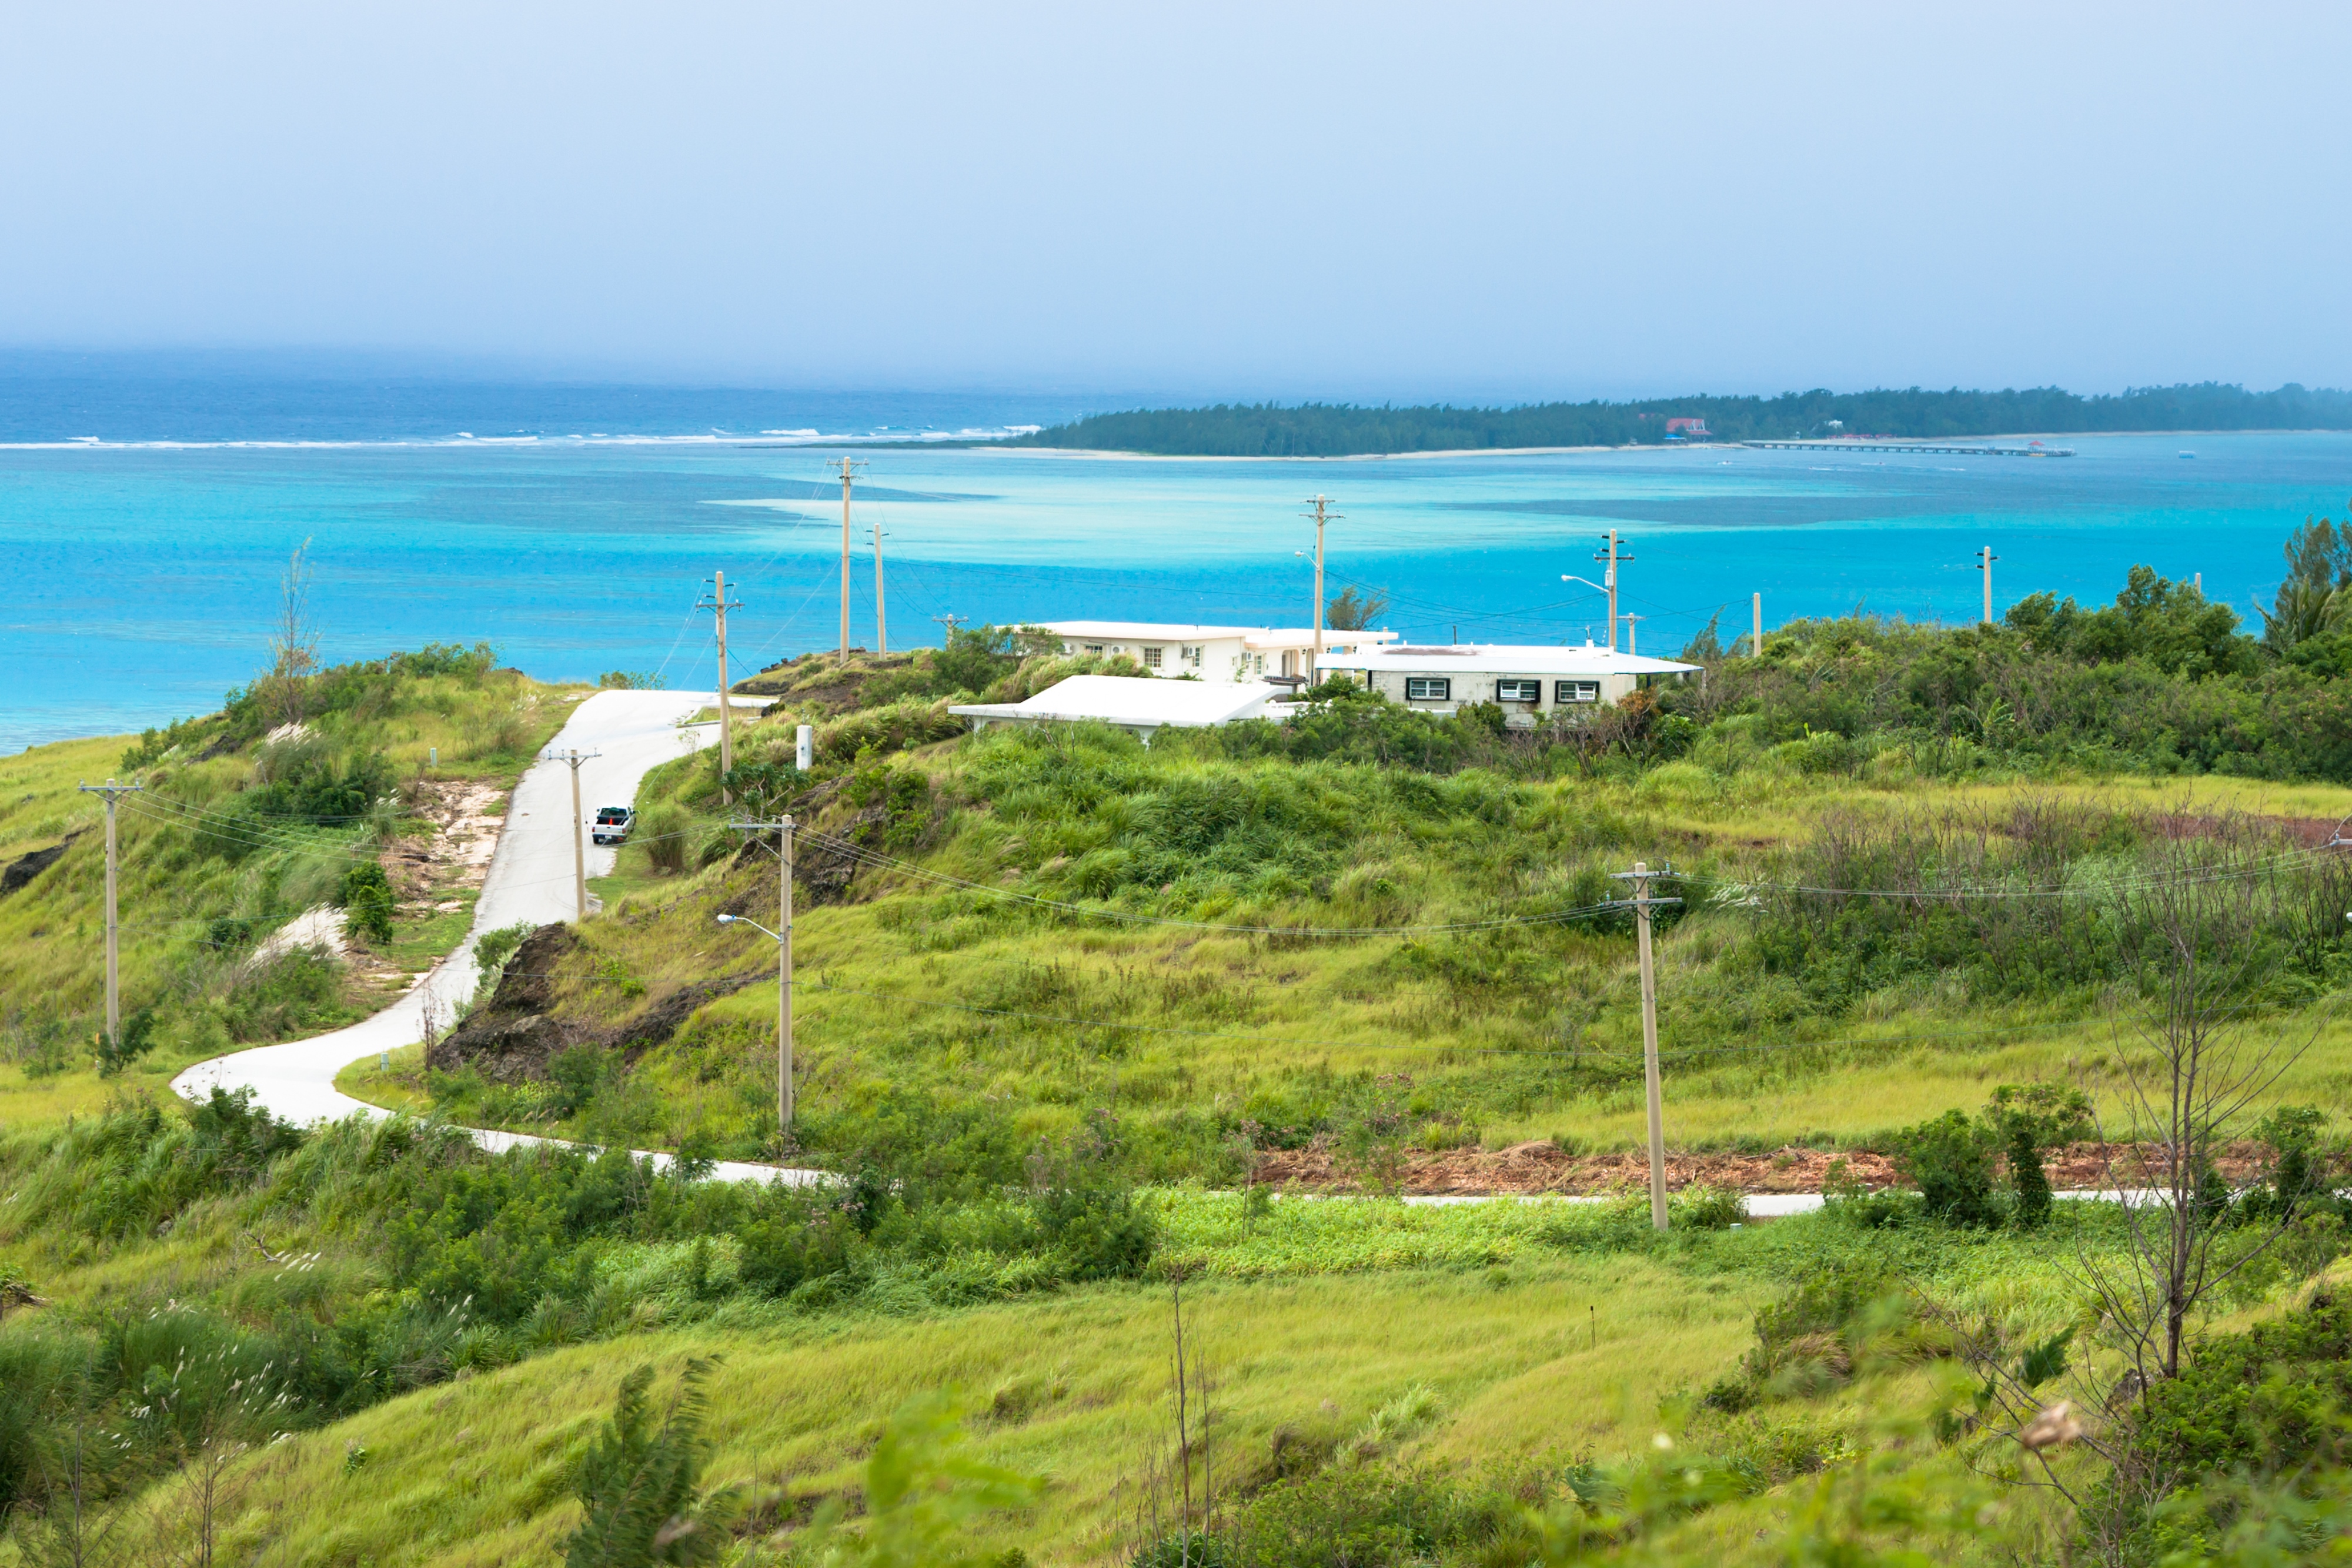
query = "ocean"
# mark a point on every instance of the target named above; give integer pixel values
(144, 526)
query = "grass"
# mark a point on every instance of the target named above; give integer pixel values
(1073, 1387)
(1184, 1034)
(189, 862)
(1083, 1371)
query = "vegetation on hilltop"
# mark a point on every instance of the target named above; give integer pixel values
(309, 791)
(1057, 984)
(1339, 430)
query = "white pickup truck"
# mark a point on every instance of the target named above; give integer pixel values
(612, 824)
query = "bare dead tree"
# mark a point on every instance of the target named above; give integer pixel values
(2195, 1061)
(2200, 924)
(1164, 1483)
(293, 637)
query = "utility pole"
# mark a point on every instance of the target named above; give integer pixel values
(784, 935)
(112, 792)
(881, 620)
(1609, 580)
(579, 836)
(1321, 513)
(1633, 633)
(1643, 902)
(1758, 649)
(949, 623)
(849, 473)
(1985, 558)
(717, 600)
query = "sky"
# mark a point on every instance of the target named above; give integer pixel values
(1354, 199)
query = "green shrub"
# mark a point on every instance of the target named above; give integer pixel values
(663, 832)
(1949, 1160)
(365, 895)
(640, 1487)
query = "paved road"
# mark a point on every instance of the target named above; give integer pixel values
(530, 879)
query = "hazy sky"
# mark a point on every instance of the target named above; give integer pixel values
(1348, 200)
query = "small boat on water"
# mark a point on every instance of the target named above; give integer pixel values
(2189, 454)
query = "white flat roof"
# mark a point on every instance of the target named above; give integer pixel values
(1172, 632)
(1503, 659)
(1135, 700)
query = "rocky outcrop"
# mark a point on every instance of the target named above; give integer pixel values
(517, 1033)
(25, 867)
(657, 1023)
(513, 1035)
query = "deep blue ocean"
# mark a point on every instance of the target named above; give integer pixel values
(145, 521)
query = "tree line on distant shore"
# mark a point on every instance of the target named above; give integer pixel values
(1331, 430)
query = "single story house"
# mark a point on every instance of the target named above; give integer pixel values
(1529, 682)
(1211, 653)
(1139, 706)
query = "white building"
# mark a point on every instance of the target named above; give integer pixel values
(1211, 653)
(1528, 682)
(1139, 706)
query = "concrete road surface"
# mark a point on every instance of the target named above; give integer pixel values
(529, 880)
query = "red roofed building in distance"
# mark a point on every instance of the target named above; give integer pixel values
(1686, 428)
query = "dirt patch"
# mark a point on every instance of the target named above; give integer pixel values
(1532, 1168)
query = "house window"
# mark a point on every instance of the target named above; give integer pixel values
(1518, 691)
(1151, 658)
(1257, 662)
(1428, 688)
(1093, 648)
(1577, 692)
(1190, 654)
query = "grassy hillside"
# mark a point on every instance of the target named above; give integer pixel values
(245, 819)
(1086, 1027)
(440, 1334)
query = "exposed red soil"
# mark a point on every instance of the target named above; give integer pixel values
(1527, 1169)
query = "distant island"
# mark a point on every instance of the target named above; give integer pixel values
(1339, 430)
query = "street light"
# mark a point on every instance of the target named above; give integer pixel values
(1596, 587)
(784, 1010)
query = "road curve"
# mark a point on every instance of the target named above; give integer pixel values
(529, 880)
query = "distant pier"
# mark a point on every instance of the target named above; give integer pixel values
(1841, 444)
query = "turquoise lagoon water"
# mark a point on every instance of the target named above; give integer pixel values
(140, 579)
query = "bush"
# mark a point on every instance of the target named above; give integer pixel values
(365, 895)
(663, 832)
(639, 1488)
(1949, 1159)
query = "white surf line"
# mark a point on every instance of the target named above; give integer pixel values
(529, 880)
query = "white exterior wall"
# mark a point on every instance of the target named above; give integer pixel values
(1479, 687)
(1218, 658)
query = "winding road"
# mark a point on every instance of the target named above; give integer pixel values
(529, 880)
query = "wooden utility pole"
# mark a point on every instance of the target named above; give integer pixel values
(112, 792)
(848, 474)
(1985, 558)
(1633, 633)
(1321, 513)
(1643, 902)
(579, 835)
(950, 622)
(881, 620)
(717, 601)
(1609, 580)
(1758, 649)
